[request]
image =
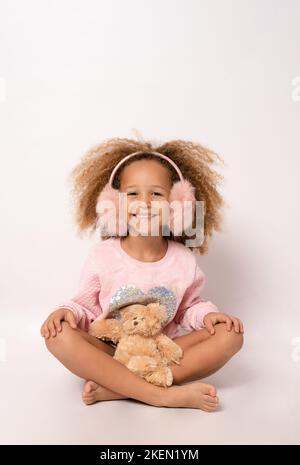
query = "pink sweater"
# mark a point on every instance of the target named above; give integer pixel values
(111, 278)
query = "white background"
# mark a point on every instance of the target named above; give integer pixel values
(225, 73)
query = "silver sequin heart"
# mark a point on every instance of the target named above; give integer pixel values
(131, 294)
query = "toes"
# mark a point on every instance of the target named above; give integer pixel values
(211, 400)
(209, 407)
(210, 390)
(88, 399)
(93, 385)
(89, 394)
(89, 387)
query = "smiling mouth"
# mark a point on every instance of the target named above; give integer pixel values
(144, 216)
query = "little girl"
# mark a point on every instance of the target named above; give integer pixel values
(133, 267)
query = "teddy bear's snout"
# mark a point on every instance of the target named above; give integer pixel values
(135, 322)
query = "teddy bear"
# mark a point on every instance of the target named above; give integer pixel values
(141, 346)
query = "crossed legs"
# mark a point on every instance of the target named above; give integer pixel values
(204, 354)
(92, 360)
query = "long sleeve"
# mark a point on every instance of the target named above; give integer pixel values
(193, 308)
(85, 303)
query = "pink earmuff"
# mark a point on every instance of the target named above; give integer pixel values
(109, 221)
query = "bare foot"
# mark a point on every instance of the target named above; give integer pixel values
(194, 395)
(93, 392)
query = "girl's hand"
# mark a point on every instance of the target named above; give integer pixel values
(53, 322)
(213, 318)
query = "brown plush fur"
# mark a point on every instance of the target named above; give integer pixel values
(195, 161)
(142, 348)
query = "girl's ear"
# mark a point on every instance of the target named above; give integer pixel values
(107, 209)
(182, 191)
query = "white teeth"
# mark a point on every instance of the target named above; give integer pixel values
(144, 216)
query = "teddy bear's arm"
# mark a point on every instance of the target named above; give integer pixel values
(170, 351)
(107, 329)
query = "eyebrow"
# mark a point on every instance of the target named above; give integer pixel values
(153, 185)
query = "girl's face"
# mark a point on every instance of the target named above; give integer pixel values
(145, 181)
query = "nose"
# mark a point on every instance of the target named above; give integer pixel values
(145, 198)
(135, 323)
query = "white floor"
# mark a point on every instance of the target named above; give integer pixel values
(40, 401)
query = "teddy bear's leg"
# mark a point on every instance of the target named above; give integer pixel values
(148, 368)
(161, 376)
(121, 356)
(141, 364)
(169, 350)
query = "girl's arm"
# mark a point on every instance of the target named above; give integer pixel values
(85, 303)
(193, 308)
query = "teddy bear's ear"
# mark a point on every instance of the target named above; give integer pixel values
(157, 310)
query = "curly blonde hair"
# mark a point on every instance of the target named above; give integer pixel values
(195, 161)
